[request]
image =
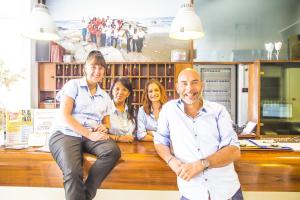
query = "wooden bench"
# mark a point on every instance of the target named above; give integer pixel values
(141, 168)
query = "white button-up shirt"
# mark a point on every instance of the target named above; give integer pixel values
(196, 138)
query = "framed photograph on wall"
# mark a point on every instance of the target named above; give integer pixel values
(131, 30)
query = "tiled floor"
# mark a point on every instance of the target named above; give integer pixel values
(29, 193)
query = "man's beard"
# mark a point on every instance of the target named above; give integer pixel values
(197, 98)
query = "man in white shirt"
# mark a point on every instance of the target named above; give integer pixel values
(203, 141)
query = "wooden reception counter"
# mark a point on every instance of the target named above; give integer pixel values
(141, 168)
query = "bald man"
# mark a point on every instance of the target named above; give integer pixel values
(204, 144)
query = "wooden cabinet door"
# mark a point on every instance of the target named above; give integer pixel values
(179, 67)
(47, 105)
(47, 76)
(293, 94)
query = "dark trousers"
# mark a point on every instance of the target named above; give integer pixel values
(128, 45)
(237, 196)
(68, 153)
(140, 44)
(103, 39)
(94, 38)
(134, 45)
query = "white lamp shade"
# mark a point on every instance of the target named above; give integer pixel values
(39, 25)
(186, 25)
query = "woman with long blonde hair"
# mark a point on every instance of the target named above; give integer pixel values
(153, 98)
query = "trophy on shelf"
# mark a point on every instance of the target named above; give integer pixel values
(135, 71)
(126, 71)
(278, 46)
(108, 70)
(135, 98)
(269, 47)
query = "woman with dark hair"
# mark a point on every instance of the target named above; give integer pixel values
(83, 127)
(153, 98)
(122, 124)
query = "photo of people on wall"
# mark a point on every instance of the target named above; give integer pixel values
(128, 32)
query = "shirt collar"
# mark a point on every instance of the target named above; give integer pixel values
(83, 83)
(152, 113)
(114, 109)
(205, 106)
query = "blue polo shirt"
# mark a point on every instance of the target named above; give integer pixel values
(119, 122)
(88, 110)
(145, 123)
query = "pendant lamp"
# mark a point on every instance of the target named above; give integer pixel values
(40, 25)
(186, 25)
